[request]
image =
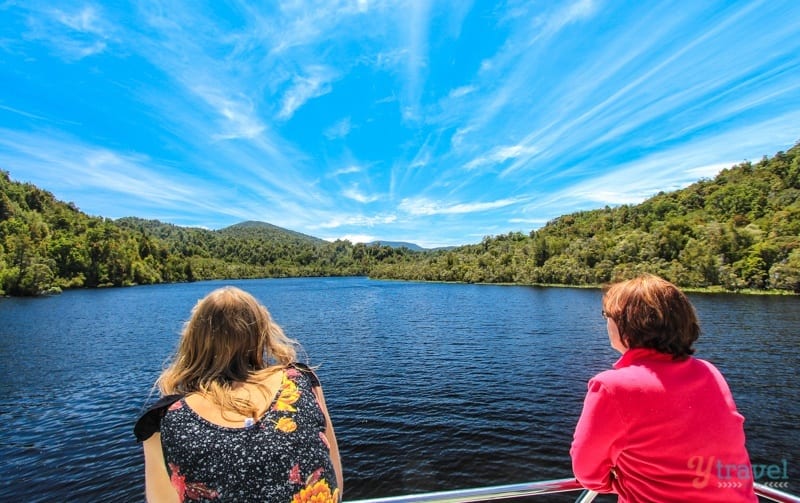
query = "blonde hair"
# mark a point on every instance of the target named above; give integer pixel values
(229, 339)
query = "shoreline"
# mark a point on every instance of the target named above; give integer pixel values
(688, 289)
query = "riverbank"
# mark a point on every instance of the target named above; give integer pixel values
(717, 289)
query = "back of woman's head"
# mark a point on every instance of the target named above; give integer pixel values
(650, 312)
(229, 337)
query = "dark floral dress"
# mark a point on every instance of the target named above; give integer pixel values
(283, 457)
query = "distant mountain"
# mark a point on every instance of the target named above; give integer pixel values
(397, 244)
(262, 230)
(248, 231)
(156, 227)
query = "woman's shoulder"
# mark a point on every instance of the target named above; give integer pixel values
(704, 363)
(607, 379)
(623, 378)
(711, 370)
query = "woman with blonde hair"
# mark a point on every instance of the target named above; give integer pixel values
(662, 425)
(239, 419)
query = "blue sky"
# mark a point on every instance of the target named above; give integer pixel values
(432, 122)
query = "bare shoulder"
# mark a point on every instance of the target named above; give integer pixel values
(260, 394)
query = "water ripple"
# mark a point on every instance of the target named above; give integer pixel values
(431, 387)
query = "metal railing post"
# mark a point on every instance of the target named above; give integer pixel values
(586, 496)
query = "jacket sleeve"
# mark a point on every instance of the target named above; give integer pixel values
(597, 440)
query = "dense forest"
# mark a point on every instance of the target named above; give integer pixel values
(740, 230)
(47, 245)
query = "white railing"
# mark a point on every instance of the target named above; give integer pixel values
(536, 488)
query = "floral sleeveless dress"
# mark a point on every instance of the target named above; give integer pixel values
(283, 457)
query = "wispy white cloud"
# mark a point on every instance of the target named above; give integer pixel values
(517, 63)
(347, 170)
(461, 91)
(316, 82)
(422, 158)
(239, 119)
(355, 238)
(390, 60)
(424, 206)
(573, 12)
(353, 192)
(501, 154)
(209, 99)
(622, 92)
(24, 113)
(86, 21)
(669, 169)
(73, 35)
(115, 184)
(271, 166)
(392, 98)
(303, 24)
(338, 130)
(64, 164)
(709, 170)
(528, 221)
(457, 140)
(336, 221)
(417, 25)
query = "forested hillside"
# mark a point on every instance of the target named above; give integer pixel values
(47, 245)
(740, 230)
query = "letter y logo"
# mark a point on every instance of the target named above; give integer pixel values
(702, 470)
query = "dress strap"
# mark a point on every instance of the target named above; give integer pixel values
(150, 422)
(308, 371)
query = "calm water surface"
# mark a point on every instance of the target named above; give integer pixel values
(430, 386)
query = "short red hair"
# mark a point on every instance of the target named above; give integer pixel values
(650, 312)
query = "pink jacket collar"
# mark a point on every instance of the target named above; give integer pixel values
(634, 355)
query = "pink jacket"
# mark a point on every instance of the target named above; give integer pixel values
(657, 430)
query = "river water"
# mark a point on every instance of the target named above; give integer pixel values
(430, 386)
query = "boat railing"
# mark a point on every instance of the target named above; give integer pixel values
(538, 488)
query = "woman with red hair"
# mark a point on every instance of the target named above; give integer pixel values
(662, 425)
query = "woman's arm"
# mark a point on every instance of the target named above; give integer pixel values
(331, 436)
(157, 486)
(597, 436)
